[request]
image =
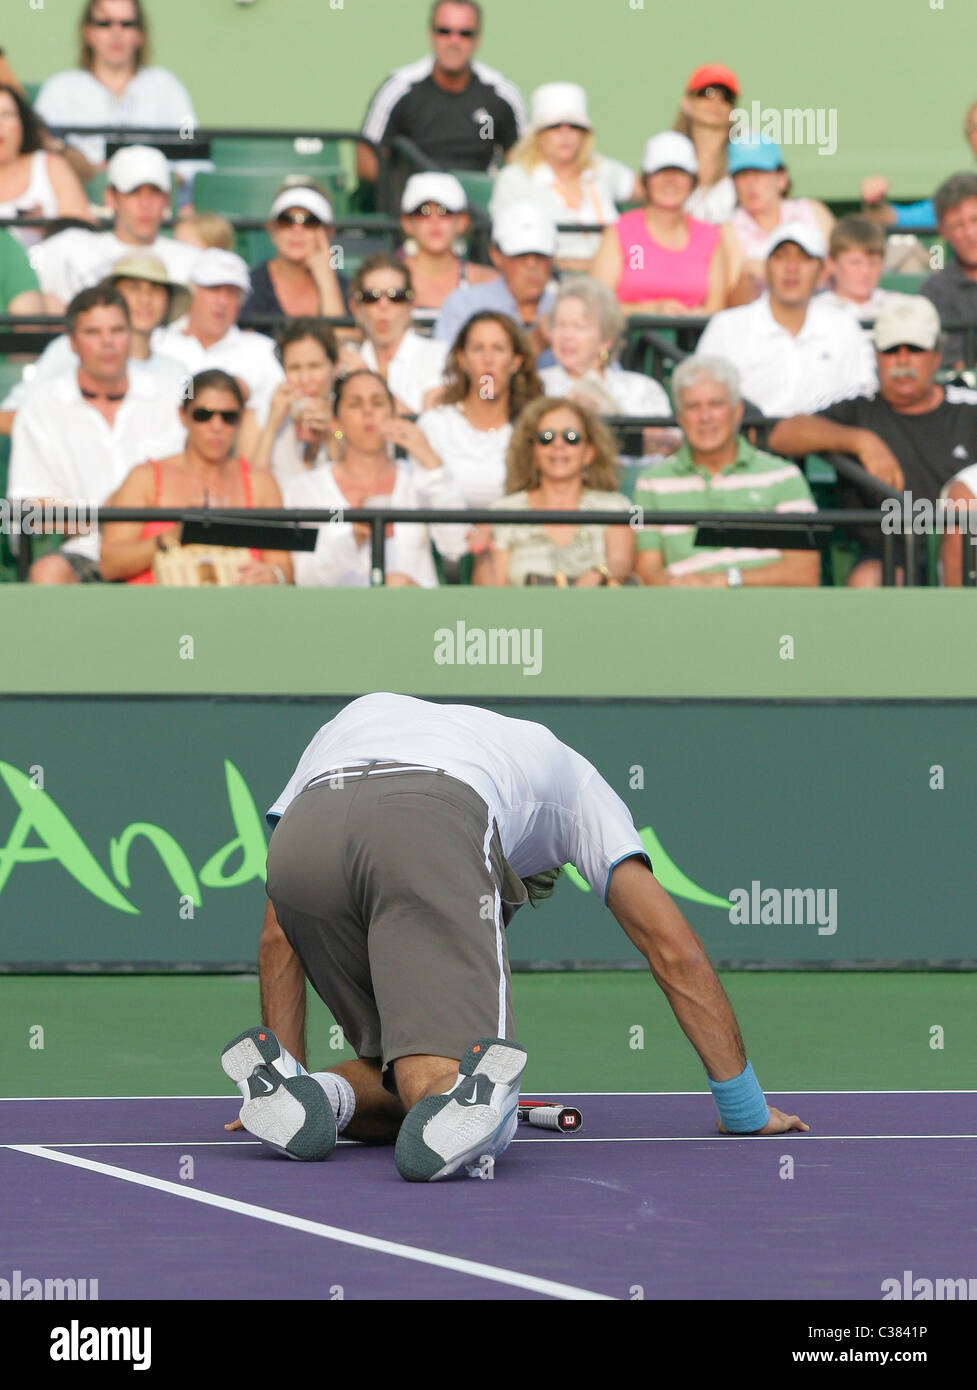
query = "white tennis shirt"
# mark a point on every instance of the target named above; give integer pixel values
(551, 805)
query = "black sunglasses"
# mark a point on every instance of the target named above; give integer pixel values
(432, 210)
(546, 437)
(297, 219)
(443, 32)
(374, 296)
(712, 92)
(201, 414)
(897, 347)
(115, 23)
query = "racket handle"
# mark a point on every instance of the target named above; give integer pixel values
(559, 1117)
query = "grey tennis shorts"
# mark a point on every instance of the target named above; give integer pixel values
(391, 887)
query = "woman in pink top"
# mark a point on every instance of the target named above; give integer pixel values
(657, 259)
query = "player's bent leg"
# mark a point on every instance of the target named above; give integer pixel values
(283, 1106)
(474, 1119)
(378, 1114)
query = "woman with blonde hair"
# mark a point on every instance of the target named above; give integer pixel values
(561, 458)
(556, 165)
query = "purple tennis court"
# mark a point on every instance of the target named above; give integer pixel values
(154, 1200)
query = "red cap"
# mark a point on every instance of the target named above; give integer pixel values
(713, 75)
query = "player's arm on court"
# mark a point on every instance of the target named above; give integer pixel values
(681, 967)
(282, 982)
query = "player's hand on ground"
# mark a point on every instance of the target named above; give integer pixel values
(779, 1123)
(235, 1124)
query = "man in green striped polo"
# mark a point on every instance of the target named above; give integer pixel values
(717, 470)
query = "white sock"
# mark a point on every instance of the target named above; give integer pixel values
(341, 1096)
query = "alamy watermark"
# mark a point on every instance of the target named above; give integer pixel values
(22, 1287)
(70, 516)
(789, 907)
(919, 1290)
(921, 516)
(792, 126)
(493, 646)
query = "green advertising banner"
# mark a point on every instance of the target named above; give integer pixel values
(132, 830)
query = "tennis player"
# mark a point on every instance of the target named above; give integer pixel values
(406, 838)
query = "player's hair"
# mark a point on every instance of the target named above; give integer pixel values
(297, 330)
(601, 474)
(100, 296)
(541, 886)
(85, 54)
(856, 233)
(31, 126)
(524, 385)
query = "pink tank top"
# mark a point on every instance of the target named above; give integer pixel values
(652, 271)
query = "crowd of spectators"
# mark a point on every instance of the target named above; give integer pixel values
(459, 380)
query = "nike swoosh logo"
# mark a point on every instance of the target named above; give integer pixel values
(472, 1100)
(267, 1084)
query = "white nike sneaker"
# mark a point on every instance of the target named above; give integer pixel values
(475, 1119)
(283, 1106)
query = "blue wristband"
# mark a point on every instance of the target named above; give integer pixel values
(742, 1107)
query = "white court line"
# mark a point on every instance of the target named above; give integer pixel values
(317, 1228)
(556, 1090)
(572, 1139)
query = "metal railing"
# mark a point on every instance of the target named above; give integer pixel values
(795, 530)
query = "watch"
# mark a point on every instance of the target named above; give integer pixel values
(734, 577)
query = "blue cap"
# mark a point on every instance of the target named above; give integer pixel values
(758, 152)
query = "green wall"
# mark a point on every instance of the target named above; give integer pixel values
(763, 644)
(897, 72)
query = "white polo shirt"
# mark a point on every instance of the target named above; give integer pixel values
(338, 560)
(551, 805)
(416, 367)
(74, 259)
(243, 353)
(154, 98)
(830, 359)
(64, 449)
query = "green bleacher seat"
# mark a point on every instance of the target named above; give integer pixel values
(284, 156)
(902, 284)
(478, 187)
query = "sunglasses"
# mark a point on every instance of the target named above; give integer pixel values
(567, 125)
(432, 210)
(715, 94)
(443, 32)
(115, 23)
(374, 296)
(201, 414)
(898, 347)
(297, 219)
(546, 437)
